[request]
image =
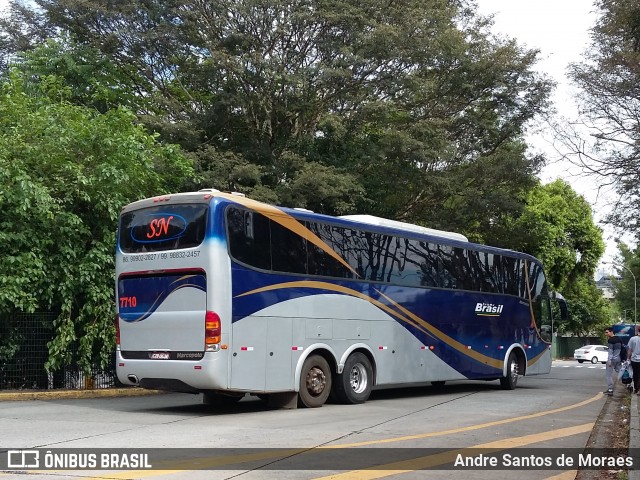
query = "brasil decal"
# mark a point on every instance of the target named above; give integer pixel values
(488, 309)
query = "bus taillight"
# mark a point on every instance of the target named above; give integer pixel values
(117, 332)
(212, 331)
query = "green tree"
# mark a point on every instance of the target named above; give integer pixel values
(590, 312)
(557, 227)
(408, 110)
(89, 78)
(610, 106)
(65, 173)
(627, 265)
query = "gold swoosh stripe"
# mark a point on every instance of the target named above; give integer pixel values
(413, 319)
(335, 288)
(288, 222)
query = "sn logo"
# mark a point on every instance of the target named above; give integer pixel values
(159, 227)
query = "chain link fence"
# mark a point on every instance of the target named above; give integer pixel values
(24, 352)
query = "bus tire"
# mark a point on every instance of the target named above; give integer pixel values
(315, 382)
(353, 385)
(511, 380)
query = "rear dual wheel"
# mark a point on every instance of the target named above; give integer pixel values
(354, 384)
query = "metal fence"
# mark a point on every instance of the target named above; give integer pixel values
(24, 352)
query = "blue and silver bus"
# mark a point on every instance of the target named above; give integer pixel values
(227, 296)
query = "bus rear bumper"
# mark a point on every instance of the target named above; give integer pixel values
(173, 375)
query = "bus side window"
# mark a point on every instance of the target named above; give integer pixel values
(249, 238)
(445, 267)
(542, 312)
(288, 250)
(320, 262)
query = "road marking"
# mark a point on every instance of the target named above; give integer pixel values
(601, 367)
(204, 463)
(472, 427)
(430, 461)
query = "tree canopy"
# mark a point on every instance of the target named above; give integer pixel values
(627, 266)
(557, 227)
(408, 110)
(609, 80)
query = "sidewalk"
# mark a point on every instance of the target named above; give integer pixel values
(14, 395)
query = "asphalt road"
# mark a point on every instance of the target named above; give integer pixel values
(398, 431)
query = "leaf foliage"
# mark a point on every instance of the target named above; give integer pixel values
(65, 173)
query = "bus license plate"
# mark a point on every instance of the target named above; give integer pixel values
(159, 355)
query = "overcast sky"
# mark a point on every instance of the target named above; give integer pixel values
(560, 30)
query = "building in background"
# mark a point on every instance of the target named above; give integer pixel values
(605, 285)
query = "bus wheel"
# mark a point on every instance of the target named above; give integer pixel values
(354, 384)
(509, 382)
(315, 382)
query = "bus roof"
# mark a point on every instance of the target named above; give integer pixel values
(384, 222)
(378, 223)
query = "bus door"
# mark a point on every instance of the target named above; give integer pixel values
(261, 354)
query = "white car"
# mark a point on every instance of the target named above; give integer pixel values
(592, 353)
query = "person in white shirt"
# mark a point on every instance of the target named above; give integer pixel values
(633, 354)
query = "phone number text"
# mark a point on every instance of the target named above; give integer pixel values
(148, 257)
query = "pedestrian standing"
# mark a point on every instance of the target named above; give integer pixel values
(614, 345)
(633, 354)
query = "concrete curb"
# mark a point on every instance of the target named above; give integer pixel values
(74, 394)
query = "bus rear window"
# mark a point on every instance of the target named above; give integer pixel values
(163, 227)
